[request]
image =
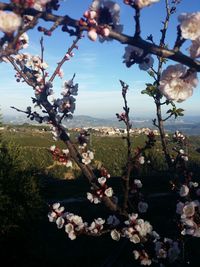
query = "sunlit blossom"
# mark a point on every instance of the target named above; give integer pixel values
(144, 3)
(176, 84)
(9, 22)
(190, 25)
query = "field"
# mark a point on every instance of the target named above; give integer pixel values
(48, 246)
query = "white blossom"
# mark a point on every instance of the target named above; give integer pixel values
(60, 222)
(23, 41)
(136, 254)
(135, 239)
(87, 157)
(65, 151)
(56, 206)
(141, 160)
(138, 183)
(188, 210)
(115, 235)
(176, 84)
(109, 192)
(184, 190)
(194, 49)
(102, 180)
(9, 22)
(40, 5)
(52, 148)
(144, 3)
(69, 228)
(52, 216)
(190, 25)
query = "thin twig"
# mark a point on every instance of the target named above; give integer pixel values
(65, 58)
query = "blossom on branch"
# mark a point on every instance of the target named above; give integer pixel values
(103, 191)
(23, 41)
(177, 83)
(87, 157)
(144, 3)
(101, 16)
(136, 55)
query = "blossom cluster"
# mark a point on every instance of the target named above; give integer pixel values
(62, 156)
(40, 5)
(66, 104)
(100, 18)
(137, 55)
(74, 224)
(177, 82)
(87, 155)
(35, 68)
(167, 249)
(179, 137)
(190, 29)
(103, 191)
(188, 208)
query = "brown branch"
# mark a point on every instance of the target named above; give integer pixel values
(20, 71)
(65, 58)
(156, 50)
(158, 95)
(122, 38)
(137, 22)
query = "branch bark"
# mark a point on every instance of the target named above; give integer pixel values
(154, 49)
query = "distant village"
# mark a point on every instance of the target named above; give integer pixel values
(99, 131)
(113, 131)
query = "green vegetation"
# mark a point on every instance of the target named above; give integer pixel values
(29, 180)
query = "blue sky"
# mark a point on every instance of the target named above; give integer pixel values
(99, 67)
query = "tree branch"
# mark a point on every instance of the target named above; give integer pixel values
(122, 38)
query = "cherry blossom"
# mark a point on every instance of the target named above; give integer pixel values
(190, 25)
(87, 157)
(176, 84)
(141, 160)
(115, 235)
(9, 22)
(96, 226)
(40, 4)
(100, 17)
(194, 49)
(184, 190)
(134, 55)
(144, 3)
(23, 41)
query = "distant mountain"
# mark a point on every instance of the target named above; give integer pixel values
(189, 124)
